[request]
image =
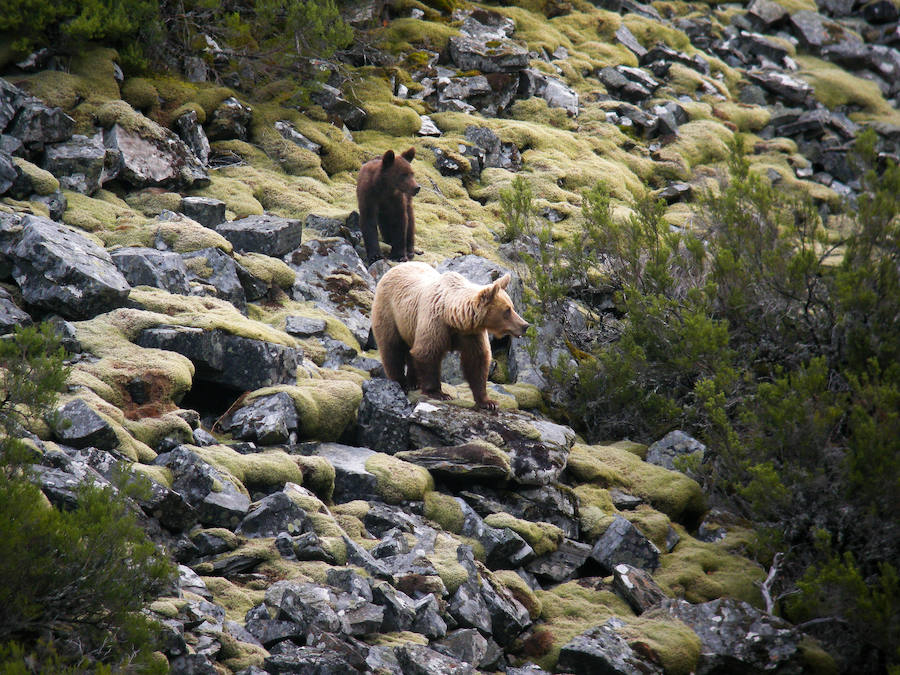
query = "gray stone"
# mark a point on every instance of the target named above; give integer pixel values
(8, 173)
(306, 604)
(154, 158)
(487, 56)
(602, 650)
(384, 417)
(10, 314)
(736, 637)
(216, 273)
(624, 543)
(237, 362)
(79, 426)
(466, 645)
(627, 38)
(503, 548)
(151, 267)
(36, 124)
(562, 564)
(290, 133)
(399, 608)
(428, 621)
(206, 211)
(191, 132)
(267, 420)
(475, 461)
(357, 555)
(330, 273)
(266, 234)
(331, 99)
(56, 203)
(553, 90)
(274, 514)
(467, 604)
(675, 446)
(351, 480)
(637, 587)
(814, 30)
(60, 270)
(420, 660)
(78, 163)
(508, 617)
(791, 89)
(304, 327)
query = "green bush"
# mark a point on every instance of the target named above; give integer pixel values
(785, 365)
(72, 583)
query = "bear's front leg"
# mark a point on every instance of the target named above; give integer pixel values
(428, 375)
(475, 358)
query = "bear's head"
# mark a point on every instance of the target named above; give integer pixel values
(500, 317)
(397, 172)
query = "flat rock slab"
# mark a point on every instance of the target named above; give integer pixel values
(142, 266)
(237, 362)
(266, 234)
(624, 543)
(478, 460)
(538, 450)
(59, 269)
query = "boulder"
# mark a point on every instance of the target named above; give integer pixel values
(143, 266)
(237, 362)
(330, 273)
(290, 133)
(602, 650)
(267, 420)
(78, 163)
(553, 90)
(562, 564)
(331, 99)
(624, 543)
(215, 273)
(475, 461)
(673, 448)
(191, 132)
(8, 173)
(79, 426)
(478, 47)
(11, 315)
(352, 480)
(206, 211)
(59, 269)
(154, 157)
(383, 418)
(270, 235)
(37, 125)
(495, 154)
(737, 637)
(421, 660)
(638, 588)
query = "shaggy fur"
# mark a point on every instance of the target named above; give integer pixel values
(384, 192)
(419, 315)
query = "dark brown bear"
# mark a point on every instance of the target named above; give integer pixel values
(384, 192)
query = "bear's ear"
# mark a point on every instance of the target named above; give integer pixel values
(503, 281)
(387, 159)
(487, 294)
(409, 155)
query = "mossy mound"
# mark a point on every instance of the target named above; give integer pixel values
(698, 571)
(674, 645)
(671, 492)
(42, 181)
(261, 470)
(325, 407)
(153, 201)
(398, 481)
(318, 475)
(272, 271)
(444, 510)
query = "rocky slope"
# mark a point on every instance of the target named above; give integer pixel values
(197, 249)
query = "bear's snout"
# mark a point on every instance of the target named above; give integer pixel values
(519, 331)
(416, 189)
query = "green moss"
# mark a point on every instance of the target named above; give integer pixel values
(237, 601)
(230, 538)
(396, 639)
(699, 571)
(446, 562)
(318, 475)
(269, 469)
(325, 407)
(527, 396)
(357, 508)
(521, 591)
(674, 645)
(140, 93)
(834, 87)
(152, 201)
(671, 492)
(398, 481)
(635, 448)
(394, 120)
(237, 195)
(444, 510)
(325, 525)
(152, 430)
(702, 142)
(158, 474)
(42, 182)
(653, 524)
(543, 537)
(744, 117)
(571, 608)
(815, 659)
(272, 271)
(649, 32)
(401, 34)
(190, 106)
(537, 110)
(289, 156)
(237, 655)
(103, 213)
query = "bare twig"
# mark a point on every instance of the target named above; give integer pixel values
(765, 587)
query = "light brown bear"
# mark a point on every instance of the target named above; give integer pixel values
(420, 314)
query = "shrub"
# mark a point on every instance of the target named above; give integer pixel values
(72, 583)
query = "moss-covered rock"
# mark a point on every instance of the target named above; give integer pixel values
(325, 407)
(542, 537)
(318, 475)
(444, 510)
(398, 481)
(261, 470)
(42, 181)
